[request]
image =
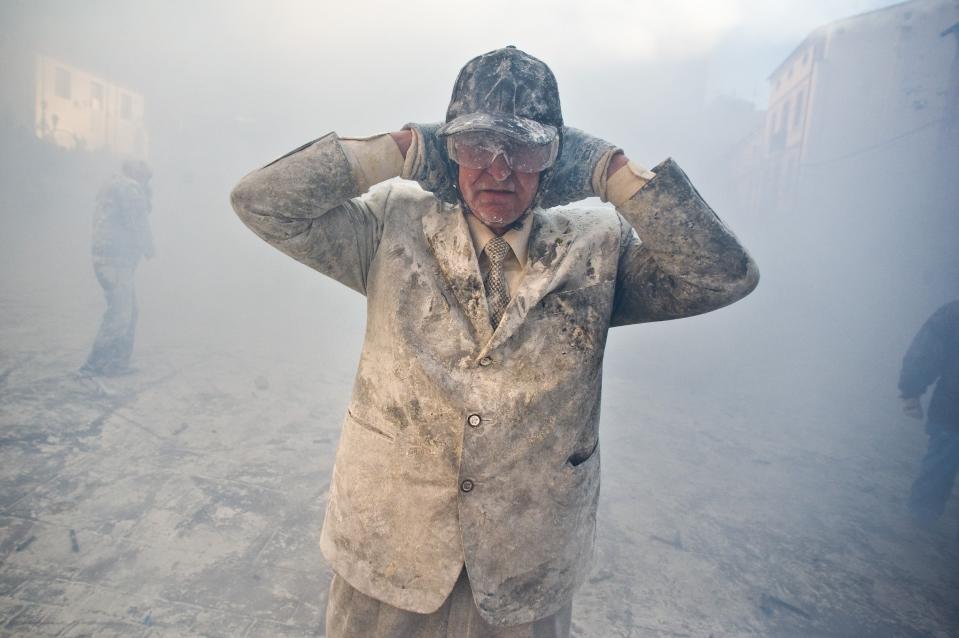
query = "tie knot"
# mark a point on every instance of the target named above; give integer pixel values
(496, 249)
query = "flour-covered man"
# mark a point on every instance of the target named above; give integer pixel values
(463, 500)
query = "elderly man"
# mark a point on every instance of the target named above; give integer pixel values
(463, 499)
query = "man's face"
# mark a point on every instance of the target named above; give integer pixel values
(497, 195)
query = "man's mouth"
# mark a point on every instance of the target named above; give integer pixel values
(498, 198)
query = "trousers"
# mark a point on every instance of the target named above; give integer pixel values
(937, 473)
(352, 614)
(113, 345)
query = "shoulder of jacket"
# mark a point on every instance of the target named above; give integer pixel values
(122, 181)
(593, 219)
(404, 190)
(947, 317)
(118, 189)
(951, 308)
(122, 185)
(400, 196)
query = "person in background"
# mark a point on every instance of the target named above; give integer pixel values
(121, 238)
(933, 357)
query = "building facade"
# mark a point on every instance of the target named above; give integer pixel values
(76, 109)
(858, 95)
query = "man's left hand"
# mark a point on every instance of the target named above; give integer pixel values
(571, 177)
(911, 406)
(427, 162)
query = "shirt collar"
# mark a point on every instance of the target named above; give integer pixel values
(517, 238)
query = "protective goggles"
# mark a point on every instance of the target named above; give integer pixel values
(478, 149)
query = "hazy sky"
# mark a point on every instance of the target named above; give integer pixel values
(265, 75)
(743, 40)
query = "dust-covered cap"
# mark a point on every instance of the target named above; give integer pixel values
(506, 91)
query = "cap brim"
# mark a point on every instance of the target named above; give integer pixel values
(518, 128)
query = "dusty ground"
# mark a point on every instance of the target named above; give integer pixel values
(186, 500)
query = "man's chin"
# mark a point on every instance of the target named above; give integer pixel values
(496, 218)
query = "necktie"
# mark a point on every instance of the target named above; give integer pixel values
(497, 291)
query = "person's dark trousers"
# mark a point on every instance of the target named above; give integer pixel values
(114, 342)
(933, 486)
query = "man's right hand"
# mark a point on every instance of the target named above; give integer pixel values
(911, 406)
(427, 162)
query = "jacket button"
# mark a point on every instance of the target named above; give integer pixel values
(467, 485)
(485, 361)
(474, 420)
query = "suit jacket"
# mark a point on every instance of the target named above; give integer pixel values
(121, 226)
(463, 443)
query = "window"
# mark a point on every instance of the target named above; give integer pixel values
(798, 115)
(61, 83)
(96, 96)
(126, 107)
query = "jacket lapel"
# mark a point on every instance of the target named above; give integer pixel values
(549, 240)
(449, 238)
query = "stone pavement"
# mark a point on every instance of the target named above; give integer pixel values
(168, 502)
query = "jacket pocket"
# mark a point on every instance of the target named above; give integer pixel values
(382, 432)
(579, 457)
(578, 479)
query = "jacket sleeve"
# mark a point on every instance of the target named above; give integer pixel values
(140, 223)
(144, 235)
(307, 205)
(925, 359)
(687, 261)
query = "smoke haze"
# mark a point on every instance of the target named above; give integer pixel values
(777, 413)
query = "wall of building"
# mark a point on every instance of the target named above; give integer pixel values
(78, 109)
(792, 88)
(856, 98)
(884, 77)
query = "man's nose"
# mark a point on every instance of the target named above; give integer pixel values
(499, 169)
